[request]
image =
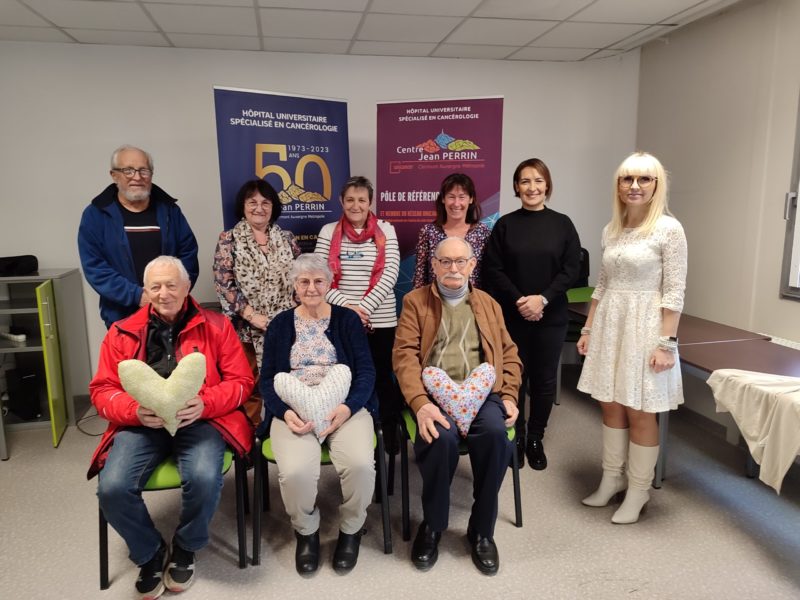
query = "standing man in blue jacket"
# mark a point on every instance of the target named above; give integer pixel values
(129, 224)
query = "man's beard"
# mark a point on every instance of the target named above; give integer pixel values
(139, 196)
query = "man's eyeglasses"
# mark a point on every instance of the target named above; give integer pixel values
(449, 262)
(129, 172)
(643, 180)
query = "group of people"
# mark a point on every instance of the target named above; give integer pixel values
(483, 300)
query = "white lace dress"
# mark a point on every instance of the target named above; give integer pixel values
(639, 275)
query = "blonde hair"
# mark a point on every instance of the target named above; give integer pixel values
(640, 163)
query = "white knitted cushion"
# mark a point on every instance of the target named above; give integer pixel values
(165, 397)
(315, 403)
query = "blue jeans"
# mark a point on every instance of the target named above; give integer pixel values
(134, 455)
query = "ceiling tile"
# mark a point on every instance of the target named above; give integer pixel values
(392, 49)
(403, 28)
(605, 54)
(85, 14)
(216, 42)
(473, 51)
(312, 46)
(351, 5)
(531, 53)
(13, 13)
(448, 8)
(118, 38)
(221, 20)
(330, 25)
(555, 10)
(32, 34)
(586, 35)
(248, 3)
(625, 11)
(498, 31)
(645, 36)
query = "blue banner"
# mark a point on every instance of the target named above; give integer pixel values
(298, 145)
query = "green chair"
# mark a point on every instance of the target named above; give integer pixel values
(409, 426)
(167, 477)
(263, 455)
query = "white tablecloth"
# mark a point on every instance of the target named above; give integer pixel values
(766, 409)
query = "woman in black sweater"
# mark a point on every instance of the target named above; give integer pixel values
(532, 258)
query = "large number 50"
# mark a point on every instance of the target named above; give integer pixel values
(262, 170)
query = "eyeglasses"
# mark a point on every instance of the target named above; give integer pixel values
(304, 284)
(449, 262)
(253, 204)
(129, 172)
(643, 180)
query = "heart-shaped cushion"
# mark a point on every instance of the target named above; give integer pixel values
(315, 403)
(461, 401)
(165, 397)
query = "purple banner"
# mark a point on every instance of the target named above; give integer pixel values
(419, 144)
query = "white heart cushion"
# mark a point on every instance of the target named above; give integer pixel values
(165, 397)
(315, 403)
(461, 401)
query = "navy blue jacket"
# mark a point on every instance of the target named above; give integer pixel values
(106, 255)
(346, 333)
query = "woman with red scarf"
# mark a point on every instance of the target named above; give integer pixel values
(364, 257)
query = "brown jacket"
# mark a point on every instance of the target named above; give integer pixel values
(416, 332)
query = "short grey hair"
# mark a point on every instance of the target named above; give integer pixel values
(171, 261)
(123, 148)
(310, 263)
(464, 242)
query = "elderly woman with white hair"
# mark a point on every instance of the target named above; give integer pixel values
(629, 339)
(308, 352)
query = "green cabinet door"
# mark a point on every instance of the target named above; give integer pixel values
(45, 300)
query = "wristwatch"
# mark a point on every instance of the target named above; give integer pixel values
(545, 302)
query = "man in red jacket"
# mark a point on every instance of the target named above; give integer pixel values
(161, 333)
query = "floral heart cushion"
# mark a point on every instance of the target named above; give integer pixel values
(461, 401)
(315, 403)
(165, 397)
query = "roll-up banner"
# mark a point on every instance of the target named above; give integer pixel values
(298, 144)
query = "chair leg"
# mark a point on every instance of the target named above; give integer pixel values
(258, 492)
(517, 495)
(390, 485)
(404, 487)
(246, 491)
(384, 497)
(103, 550)
(240, 473)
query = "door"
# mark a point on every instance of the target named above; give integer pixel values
(52, 360)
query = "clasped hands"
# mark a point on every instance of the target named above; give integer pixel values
(186, 416)
(531, 308)
(337, 417)
(430, 414)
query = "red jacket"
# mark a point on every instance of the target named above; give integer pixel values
(228, 383)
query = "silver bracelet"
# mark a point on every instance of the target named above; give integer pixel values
(586, 331)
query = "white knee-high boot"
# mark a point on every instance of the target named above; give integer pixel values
(615, 454)
(641, 462)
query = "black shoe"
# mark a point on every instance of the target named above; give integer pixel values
(425, 549)
(306, 554)
(535, 451)
(150, 583)
(520, 450)
(346, 554)
(180, 570)
(484, 553)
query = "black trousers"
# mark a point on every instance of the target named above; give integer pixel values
(540, 351)
(381, 341)
(489, 454)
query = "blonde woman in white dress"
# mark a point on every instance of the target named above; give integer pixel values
(630, 337)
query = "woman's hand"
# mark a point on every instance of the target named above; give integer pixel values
(259, 321)
(661, 360)
(362, 314)
(531, 308)
(583, 345)
(337, 417)
(296, 424)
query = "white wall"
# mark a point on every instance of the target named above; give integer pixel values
(66, 107)
(718, 104)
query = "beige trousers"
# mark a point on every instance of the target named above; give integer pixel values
(298, 459)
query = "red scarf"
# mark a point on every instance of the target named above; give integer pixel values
(371, 231)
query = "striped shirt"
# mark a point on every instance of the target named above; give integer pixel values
(357, 261)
